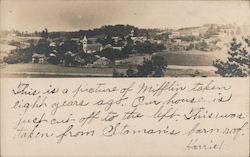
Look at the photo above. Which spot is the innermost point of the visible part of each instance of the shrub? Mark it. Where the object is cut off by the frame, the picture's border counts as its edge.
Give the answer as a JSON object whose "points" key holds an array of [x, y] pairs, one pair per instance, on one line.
{"points": [[237, 64], [19, 56]]}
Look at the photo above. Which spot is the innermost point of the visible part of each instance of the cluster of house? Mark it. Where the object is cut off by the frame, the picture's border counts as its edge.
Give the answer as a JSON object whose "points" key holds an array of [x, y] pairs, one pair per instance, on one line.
{"points": [[209, 44], [91, 45], [87, 48], [197, 41], [200, 41], [234, 30], [190, 31]]}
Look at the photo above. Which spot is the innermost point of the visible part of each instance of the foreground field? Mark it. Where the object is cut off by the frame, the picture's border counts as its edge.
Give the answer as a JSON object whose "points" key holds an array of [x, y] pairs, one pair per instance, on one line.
{"points": [[46, 70]]}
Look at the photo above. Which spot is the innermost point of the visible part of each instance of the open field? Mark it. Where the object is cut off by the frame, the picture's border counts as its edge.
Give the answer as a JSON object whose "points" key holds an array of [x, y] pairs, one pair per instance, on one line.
{"points": [[190, 71], [47, 70], [191, 58], [5, 49], [20, 39]]}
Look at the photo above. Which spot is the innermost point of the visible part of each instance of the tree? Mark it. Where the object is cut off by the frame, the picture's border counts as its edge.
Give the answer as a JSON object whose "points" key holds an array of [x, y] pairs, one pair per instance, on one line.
{"points": [[127, 49], [19, 56], [145, 69], [149, 68], [160, 65], [129, 41], [42, 47], [237, 64], [89, 58], [53, 60], [130, 72], [45, 33], [112, 54], [69, 45]]}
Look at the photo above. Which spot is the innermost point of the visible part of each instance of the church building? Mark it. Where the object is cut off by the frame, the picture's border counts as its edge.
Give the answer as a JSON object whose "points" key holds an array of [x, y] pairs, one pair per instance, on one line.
{"points": [[90, 47]]}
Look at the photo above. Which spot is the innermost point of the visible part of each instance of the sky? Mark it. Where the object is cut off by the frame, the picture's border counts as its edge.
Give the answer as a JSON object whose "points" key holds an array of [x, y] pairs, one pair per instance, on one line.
{"points": [[71, 15]]}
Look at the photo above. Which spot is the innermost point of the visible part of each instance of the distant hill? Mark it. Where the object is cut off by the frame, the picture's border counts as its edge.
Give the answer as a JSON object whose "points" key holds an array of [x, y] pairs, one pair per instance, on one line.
{"points": [[188, 28], [112, 30], [108, 30]]}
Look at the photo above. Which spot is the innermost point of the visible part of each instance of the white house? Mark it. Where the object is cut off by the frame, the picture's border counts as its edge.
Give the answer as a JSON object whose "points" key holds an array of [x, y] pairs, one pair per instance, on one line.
{"points": [[101, 61], [38, 58]]}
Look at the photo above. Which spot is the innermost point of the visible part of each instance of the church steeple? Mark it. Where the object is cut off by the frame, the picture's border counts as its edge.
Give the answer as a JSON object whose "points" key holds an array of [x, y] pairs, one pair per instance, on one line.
{"points": [[84, 44], [132, 32]]}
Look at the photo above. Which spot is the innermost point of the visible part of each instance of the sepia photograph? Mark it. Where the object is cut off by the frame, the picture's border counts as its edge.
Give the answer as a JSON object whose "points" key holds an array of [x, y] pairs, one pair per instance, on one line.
{"points": [[63, 38], [124, 78]]}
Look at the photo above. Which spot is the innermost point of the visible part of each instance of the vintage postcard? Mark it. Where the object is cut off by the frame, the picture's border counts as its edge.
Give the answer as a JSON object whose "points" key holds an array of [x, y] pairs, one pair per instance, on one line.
{"points": [[124, 78]]}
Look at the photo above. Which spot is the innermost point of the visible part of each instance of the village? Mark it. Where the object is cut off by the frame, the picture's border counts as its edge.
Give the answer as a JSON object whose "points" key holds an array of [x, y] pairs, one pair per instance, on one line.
{"points": [[122, 47]]}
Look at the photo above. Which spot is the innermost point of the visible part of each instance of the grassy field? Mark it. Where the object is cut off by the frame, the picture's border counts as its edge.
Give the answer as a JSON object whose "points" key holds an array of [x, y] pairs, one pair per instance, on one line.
{"points": [[47, 70], [191, 58], [207, 71], [5, 49]]}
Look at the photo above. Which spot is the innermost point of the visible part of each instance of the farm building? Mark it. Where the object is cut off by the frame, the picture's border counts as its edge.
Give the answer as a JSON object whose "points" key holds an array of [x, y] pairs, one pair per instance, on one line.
{"points": [[102, 61], [38, 58]]}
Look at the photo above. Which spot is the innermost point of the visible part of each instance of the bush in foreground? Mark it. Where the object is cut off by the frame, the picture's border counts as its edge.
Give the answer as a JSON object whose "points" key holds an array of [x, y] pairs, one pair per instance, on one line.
{"points": [[237, 64]]}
